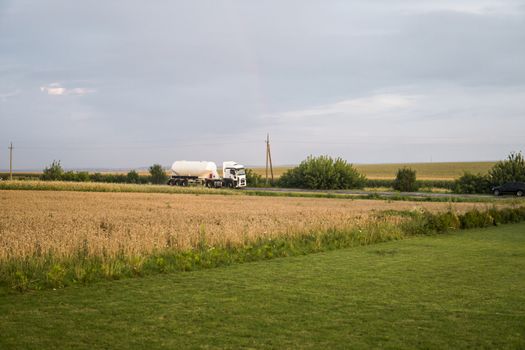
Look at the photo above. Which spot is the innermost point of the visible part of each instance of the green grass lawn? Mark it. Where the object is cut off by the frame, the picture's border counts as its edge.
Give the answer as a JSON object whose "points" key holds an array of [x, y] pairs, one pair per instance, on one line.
{"points": [[461, 290]]}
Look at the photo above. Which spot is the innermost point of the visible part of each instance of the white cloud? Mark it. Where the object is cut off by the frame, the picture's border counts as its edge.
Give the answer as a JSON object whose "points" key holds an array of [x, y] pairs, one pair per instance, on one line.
{"points": [[446, 116], [5, 96], [472, 7], [56, 89], [368, 106]]}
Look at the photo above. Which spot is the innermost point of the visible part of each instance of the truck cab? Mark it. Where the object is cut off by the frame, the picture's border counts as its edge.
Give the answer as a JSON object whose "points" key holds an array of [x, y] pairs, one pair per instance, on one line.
{"points": [[233, 174]]}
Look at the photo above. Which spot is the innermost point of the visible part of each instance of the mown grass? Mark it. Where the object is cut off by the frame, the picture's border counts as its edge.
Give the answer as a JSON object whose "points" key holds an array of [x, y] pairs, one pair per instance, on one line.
{"points": [[46, 270], [453, 291]]}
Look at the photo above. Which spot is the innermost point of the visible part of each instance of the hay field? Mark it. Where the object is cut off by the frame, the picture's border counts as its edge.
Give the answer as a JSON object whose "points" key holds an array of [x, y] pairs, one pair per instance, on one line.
{"points": [[107, 224], [425, 171]]}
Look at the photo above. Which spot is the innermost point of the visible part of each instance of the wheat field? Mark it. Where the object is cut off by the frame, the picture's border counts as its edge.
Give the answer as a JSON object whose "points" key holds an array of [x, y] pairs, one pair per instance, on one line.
{"points": [[425, 171], [108, 224]]}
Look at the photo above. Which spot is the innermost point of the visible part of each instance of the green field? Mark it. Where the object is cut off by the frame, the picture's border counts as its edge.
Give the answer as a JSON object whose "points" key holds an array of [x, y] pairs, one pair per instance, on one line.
{"points": [[461, 290], [425, 171]]}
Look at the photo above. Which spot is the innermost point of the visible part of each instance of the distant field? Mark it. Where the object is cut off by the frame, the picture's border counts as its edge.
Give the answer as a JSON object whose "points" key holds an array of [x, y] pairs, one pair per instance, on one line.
{"points": [[425, 171]]}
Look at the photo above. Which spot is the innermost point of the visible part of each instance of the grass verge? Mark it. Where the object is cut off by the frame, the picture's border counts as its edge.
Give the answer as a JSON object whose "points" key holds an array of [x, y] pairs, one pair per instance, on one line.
{"points": [[110, 187]]}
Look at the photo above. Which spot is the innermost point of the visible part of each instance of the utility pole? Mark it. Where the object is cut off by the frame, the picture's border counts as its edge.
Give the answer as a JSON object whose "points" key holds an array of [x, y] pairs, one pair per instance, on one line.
{"points": [[266, 141], [268, 158], [11, 161]]}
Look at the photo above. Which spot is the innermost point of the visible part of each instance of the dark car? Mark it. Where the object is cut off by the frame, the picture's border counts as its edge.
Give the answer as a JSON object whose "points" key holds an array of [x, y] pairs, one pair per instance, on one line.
{"points": [[517, 188]]}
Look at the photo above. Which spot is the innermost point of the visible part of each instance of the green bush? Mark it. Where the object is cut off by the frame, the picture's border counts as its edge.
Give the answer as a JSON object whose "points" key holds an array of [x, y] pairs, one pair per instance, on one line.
{"points": [[507, 215], [446, 184], [323, 173], [68, 176], [253, 179], [157, 174], [442, 222], [476, 219], [511, 169], [405, 180], [81, 176], [20, 282], [379, 183], [56, 276], [120, 178], [97, 177], [53, 172], [133, 177], [472, 183]]}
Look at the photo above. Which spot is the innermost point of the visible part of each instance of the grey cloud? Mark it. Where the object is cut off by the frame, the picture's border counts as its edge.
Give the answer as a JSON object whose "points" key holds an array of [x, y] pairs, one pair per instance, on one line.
{"points": [[167, 75]]}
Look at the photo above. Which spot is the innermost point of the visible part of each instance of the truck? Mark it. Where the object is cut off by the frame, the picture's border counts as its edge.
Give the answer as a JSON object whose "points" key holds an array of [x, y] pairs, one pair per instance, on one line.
{"points": [[204, 173]]}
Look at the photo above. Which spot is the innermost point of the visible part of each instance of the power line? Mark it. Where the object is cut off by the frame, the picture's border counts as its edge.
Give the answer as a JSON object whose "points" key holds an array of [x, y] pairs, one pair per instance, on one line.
{"points": [[366, 141], [96, 147]]}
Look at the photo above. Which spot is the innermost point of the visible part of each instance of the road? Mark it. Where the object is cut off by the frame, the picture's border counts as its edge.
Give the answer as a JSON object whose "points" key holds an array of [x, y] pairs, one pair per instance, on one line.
{"points": [[379, 193]]}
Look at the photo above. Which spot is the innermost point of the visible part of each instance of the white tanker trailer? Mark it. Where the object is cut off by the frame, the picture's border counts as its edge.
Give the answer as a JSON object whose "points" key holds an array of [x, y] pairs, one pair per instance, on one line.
{"points": [[205, 174]]}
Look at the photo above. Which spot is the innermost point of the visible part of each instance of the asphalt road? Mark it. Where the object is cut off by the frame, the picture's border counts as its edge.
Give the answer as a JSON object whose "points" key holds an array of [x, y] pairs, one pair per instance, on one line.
{"points": [[383, 194]]}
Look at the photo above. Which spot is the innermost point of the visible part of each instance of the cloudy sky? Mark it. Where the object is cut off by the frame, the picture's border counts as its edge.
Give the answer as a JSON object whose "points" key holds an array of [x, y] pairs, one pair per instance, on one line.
{"points": [[125, 84]]}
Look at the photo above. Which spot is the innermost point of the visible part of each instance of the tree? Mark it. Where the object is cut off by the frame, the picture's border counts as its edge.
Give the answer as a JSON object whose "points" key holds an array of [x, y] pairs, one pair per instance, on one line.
{"points": [[323, 172], [133, 177], [158, 175], [406, 180], [253, 179], [511, 169], [97, 177], [53, 172], [472, 183]]}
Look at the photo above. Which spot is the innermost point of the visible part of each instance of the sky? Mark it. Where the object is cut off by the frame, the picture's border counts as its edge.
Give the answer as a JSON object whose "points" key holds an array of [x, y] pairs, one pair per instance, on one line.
{"points": [[126, 84]]}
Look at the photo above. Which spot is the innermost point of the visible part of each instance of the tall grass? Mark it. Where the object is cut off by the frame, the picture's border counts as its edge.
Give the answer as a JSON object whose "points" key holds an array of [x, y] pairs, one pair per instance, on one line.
{"points": [[140, 223], [47, 270], [106, 187]]}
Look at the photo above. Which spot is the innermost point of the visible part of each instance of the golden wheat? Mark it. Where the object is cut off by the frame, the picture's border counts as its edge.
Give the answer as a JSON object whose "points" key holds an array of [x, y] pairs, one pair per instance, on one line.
{"points": [[61, 223], [425, 171]]}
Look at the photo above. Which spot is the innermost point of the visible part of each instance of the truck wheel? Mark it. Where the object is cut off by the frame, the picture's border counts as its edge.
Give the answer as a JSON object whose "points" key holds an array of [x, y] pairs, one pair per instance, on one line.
{"points": [[519, 193], [184, 183], [230, 184], [496, 192]]}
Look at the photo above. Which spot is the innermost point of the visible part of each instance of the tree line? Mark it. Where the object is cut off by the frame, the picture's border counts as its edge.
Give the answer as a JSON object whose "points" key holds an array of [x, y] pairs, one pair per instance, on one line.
{"points": [[55, 172], [324, 173]]}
